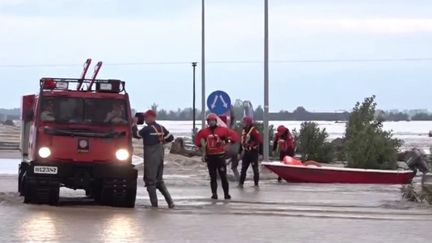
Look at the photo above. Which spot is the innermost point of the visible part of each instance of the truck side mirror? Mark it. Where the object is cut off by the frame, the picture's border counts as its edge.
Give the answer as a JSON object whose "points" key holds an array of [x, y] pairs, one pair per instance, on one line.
{"points": [[140, 118]]}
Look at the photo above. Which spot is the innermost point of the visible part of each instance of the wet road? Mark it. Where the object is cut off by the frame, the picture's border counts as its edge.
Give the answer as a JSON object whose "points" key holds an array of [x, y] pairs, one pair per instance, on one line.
{"points": [[274, 213]]}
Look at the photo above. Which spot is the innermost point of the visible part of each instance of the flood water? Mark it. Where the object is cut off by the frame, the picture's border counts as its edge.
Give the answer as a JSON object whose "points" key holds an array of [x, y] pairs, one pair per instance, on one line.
{"points": [[285, 212], [276, 212]]}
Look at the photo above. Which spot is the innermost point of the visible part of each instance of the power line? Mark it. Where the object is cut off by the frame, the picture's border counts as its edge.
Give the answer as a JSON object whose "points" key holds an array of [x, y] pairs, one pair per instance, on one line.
{"points": [[329, 60], [354, 60]]}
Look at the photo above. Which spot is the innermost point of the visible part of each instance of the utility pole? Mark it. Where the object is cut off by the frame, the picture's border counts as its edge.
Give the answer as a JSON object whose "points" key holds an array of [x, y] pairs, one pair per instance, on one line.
{"points": [[266, 84], [194, 64], [203, 98]]}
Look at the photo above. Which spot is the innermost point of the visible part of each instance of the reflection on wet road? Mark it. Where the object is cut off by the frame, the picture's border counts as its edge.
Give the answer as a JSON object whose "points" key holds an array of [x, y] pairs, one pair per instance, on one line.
{"points": [[274, 213]]}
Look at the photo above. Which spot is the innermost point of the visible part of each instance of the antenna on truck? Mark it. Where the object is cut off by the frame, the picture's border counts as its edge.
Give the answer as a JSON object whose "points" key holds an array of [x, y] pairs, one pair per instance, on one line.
{"points": [[96, 71], [86, 67]]}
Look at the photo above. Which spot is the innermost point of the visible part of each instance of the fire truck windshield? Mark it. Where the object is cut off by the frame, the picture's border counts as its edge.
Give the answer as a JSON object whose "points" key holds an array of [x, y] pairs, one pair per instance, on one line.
{"points": [[83, 111]]}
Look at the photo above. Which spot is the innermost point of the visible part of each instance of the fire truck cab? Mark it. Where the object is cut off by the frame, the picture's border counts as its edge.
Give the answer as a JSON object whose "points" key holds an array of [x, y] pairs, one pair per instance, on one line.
{"points": [[79, 137]]}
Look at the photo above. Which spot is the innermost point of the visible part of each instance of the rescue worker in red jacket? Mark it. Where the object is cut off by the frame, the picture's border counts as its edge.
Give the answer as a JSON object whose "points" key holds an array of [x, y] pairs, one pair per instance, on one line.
{"points": [[213, 140], [251, 146], [284, 143]]}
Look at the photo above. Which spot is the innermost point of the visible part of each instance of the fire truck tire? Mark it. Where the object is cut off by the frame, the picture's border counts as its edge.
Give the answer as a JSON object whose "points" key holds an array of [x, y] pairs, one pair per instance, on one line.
{"points": [[94, 191], [118, 192], [21, 170], [37, 192]]}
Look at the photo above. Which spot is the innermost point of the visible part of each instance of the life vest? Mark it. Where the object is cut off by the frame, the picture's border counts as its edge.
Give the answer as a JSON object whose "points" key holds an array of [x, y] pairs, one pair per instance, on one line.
{"points": [[288, 160], [159, 134], [285, 144], [215, 139], [247, 140], [215, 145]]}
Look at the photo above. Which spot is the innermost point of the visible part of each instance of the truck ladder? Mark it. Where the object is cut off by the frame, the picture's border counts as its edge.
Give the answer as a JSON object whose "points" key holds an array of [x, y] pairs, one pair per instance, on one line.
{"points": [[96, 71], [86, 67]]}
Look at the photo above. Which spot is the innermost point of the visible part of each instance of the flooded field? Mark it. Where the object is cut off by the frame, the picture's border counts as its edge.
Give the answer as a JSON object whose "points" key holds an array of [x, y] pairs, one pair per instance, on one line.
{"points": [[275, 212]]}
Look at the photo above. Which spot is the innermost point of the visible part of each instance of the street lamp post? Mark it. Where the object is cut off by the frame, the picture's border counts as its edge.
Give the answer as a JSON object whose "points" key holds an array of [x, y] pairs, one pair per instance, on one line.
{"points": [[203, 64], [194, 64], [266, 84]]}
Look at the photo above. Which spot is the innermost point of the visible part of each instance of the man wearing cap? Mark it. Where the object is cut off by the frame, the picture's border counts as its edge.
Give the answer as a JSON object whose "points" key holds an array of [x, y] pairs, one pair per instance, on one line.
{"points": [[251, 148], [154, 137]]}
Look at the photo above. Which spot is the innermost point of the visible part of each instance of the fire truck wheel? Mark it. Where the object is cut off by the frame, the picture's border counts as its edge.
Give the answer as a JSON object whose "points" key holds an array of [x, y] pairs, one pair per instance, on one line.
{"points": [[26, 190], [118, 192], [94, 191], [21, 170], [38, 193]]}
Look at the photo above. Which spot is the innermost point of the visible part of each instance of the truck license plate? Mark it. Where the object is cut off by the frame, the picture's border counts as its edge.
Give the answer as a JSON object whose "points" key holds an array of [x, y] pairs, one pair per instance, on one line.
{"points": [[51, 170]]}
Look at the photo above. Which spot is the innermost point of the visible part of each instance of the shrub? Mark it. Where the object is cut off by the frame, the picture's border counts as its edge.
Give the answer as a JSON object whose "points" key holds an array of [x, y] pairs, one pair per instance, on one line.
{"points": [[312, 143], [339, 149], [367, 145]]}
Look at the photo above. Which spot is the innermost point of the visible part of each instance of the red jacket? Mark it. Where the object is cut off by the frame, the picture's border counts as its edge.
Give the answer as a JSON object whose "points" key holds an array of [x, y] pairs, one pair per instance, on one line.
{"points": [[251, 138], [215, 139], [284, 142]]}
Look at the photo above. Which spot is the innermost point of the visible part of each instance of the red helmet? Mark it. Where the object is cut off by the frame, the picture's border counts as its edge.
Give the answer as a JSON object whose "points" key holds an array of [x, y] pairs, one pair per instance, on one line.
{"points": [[150, 113], [247, 120], [281, 129], [212, 116]]}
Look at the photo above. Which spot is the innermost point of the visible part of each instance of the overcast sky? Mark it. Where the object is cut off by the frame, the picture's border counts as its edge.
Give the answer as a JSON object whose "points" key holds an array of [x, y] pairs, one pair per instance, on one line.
{"points": [[45, 32]]}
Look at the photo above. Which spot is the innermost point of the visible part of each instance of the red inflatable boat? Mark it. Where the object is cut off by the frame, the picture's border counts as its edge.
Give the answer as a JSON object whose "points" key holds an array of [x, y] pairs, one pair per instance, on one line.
{"points": [[313, 173]]}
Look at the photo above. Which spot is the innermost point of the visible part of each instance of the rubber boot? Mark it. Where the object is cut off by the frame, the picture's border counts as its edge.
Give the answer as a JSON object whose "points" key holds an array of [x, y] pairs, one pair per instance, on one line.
{"points": [[153, 196], [162, 188]]}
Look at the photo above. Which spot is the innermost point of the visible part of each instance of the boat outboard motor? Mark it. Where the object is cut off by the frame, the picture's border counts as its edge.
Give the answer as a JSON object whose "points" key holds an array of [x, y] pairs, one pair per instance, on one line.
{"points": [[417, 161]]}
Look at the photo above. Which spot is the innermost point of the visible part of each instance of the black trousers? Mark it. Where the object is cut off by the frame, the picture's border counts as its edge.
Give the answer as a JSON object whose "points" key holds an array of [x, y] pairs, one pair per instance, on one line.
{"points": [[250, 158], [216, 164]]}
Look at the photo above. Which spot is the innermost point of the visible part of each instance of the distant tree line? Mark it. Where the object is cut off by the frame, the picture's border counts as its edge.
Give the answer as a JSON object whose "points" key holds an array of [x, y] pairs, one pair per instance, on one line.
{"points": [[299, 114]]}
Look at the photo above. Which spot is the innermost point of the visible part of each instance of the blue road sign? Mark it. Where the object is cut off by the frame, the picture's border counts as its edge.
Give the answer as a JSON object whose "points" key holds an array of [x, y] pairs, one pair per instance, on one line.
{"points": [[219, 102]]}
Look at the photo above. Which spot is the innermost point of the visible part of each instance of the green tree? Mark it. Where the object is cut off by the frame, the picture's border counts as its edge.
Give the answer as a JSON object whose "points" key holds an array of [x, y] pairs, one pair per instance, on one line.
{"points": [[422, 117], [154, 107], [162, 114], [367, 145], [312, 143]]}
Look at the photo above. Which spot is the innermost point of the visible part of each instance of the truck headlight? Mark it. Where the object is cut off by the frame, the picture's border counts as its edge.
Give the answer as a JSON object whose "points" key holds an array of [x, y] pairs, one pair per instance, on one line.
{"points": [[44, 152], [122, 154]]}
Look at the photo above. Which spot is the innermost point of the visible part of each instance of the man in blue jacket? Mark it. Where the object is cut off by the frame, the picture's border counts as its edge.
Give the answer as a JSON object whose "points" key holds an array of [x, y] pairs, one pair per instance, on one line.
{"points": [[154, 137]]}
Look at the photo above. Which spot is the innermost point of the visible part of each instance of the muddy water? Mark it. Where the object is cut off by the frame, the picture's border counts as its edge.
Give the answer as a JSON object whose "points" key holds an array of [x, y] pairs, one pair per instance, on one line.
{"points": [[273, 213]]}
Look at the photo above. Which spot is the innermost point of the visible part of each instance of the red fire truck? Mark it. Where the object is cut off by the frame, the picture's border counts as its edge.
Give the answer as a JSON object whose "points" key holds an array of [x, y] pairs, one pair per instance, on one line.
{"points": [[76, 133]]}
